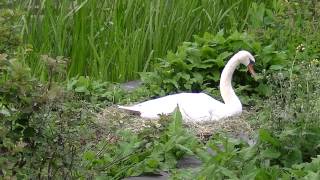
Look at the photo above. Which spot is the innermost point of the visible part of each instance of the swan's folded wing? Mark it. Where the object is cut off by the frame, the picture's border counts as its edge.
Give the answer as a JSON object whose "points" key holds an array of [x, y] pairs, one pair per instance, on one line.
{"points": [[152, 108], [200, 107]]}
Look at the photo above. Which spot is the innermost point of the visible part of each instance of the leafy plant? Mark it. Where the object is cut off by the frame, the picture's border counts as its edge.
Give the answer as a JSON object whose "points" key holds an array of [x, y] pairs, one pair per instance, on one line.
{"points": [[41, 130], [197, 65], [293, 24], [272, 157], [295, 101], [10, 37], [96, 91], [147, 152], [105, 93]]}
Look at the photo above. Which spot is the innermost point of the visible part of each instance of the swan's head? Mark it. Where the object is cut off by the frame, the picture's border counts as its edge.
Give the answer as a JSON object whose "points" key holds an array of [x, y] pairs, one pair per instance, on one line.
{"points": [[247, 59]]}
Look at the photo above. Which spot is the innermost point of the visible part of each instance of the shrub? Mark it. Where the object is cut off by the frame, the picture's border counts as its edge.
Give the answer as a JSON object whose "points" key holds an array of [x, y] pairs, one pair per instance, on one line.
{"points": [[42, 130], [197, 65], [9, 29]]}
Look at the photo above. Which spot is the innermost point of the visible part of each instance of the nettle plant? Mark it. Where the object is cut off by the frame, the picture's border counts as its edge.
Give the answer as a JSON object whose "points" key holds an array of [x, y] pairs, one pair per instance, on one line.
{"points": [[9, 36], [196, 66]]}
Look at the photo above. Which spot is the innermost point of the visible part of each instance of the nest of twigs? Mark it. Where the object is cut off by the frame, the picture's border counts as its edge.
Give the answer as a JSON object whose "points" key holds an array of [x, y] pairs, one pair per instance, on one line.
{"points": [[116, 119]]}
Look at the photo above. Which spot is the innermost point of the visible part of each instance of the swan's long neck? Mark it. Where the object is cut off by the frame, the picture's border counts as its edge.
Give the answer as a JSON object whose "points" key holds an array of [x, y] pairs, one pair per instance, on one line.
{"points": [[226, 90]]}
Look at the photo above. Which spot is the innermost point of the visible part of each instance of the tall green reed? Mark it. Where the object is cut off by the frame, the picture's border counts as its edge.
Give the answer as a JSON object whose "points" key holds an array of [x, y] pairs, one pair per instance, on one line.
{"points": [[115, 39]]}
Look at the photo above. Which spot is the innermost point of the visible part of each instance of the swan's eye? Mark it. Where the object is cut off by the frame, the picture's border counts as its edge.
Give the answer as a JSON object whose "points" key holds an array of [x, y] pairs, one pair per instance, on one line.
{"points": [[251, 61]]}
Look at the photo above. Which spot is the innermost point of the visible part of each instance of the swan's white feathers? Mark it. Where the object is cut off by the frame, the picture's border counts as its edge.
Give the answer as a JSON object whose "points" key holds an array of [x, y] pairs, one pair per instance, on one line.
{"points": [[202, 106]]}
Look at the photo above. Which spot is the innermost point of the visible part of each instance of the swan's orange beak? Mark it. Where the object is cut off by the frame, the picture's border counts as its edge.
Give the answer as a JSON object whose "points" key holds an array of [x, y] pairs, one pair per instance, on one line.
{"points": [[251, 69]]}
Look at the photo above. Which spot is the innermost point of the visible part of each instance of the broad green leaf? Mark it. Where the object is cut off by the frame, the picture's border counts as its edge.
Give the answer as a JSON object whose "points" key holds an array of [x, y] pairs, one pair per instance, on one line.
{"points": [[276, 67], [203, 66], [262, 175], [219, 62], [264, 89], [184, 149], [71, 84], [176, 126], [198, 77], [196, 53], [312, 176], [268, 49], [270, 153], [81, 89], [188, 86], [207, 51], [249, 152], [89, 155], [292, 157], [228, 173], [215, 76], [184, 76], [153, 163], [218, 38], [172, 82], [224, 55], [83, 81], [235, 36], [265, 136]]}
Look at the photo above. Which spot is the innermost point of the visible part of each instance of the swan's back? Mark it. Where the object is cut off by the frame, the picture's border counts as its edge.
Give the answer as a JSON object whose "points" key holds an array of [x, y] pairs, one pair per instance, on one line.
{"points": [[152, 108], [193, 107]]}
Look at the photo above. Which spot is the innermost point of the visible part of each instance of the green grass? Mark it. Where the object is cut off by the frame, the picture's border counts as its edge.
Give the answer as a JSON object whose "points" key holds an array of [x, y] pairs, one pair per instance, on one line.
{"points": [[113, 40]]}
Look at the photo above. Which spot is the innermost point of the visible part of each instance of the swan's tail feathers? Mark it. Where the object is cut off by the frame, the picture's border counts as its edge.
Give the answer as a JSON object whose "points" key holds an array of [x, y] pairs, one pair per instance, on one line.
{"points": [[132, 110]]}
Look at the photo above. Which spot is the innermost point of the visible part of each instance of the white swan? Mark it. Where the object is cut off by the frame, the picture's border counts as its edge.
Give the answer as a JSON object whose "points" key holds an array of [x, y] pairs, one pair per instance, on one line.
{"points": [[196, 107]]}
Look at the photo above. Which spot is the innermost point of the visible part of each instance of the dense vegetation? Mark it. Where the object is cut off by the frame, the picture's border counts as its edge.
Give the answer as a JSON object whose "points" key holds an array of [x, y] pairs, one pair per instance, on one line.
{"points": [[99, 36], [57, 59]]}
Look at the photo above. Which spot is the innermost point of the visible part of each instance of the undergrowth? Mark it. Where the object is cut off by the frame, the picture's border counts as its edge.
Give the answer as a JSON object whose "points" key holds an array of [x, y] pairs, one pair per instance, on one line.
{"points": [[39, 125], [51, 132]]}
